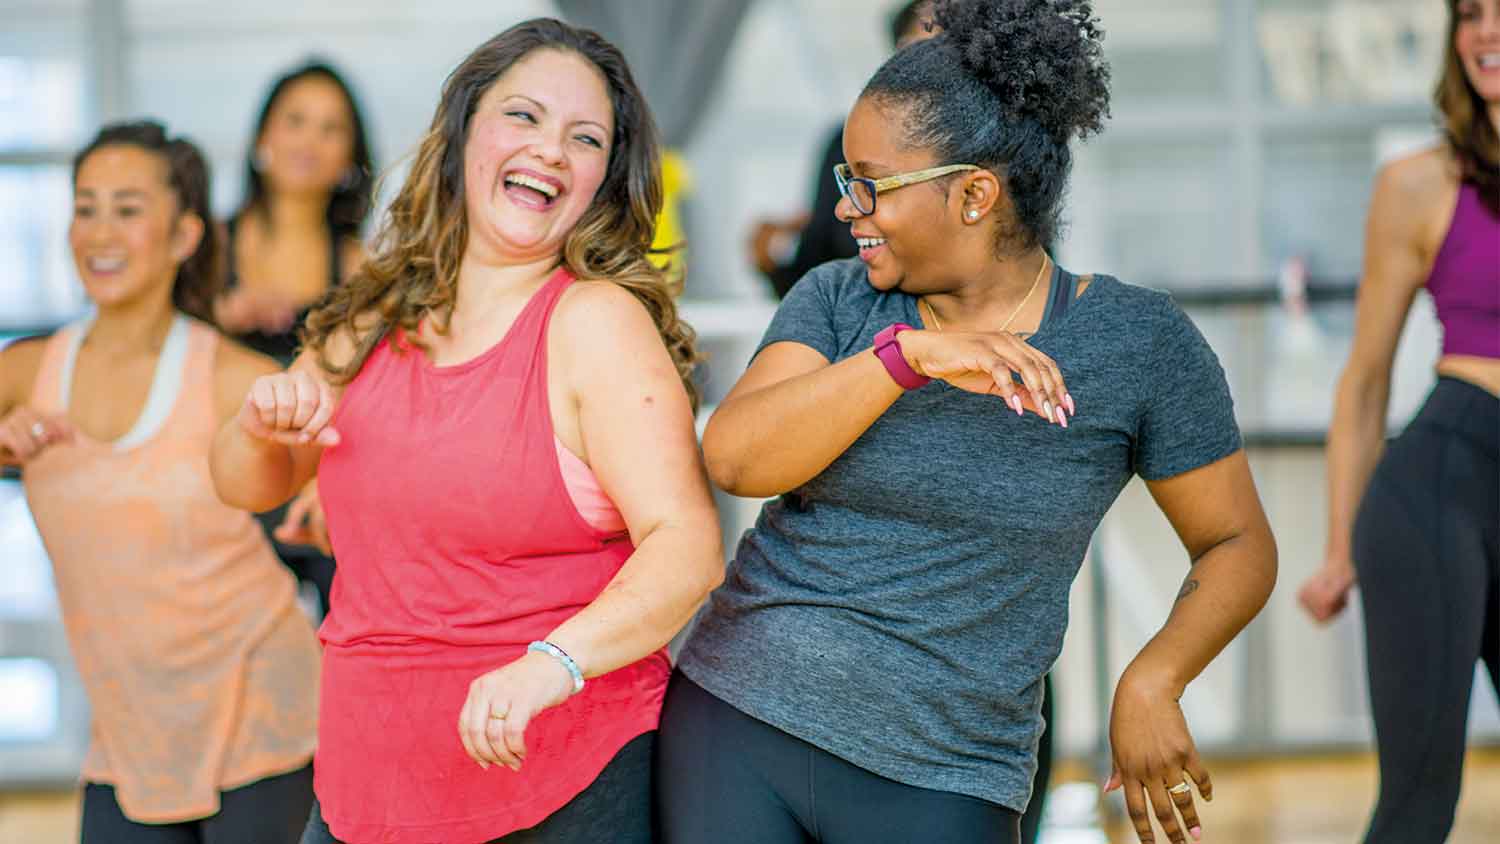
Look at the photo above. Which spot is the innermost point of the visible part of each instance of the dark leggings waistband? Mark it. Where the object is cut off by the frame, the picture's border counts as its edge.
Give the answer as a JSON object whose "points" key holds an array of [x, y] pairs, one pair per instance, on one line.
{"points": [[1458, 407]]}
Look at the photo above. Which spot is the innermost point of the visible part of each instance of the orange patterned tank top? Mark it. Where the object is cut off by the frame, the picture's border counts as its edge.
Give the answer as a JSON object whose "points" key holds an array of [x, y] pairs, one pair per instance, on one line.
{"points": [[201, 670]]}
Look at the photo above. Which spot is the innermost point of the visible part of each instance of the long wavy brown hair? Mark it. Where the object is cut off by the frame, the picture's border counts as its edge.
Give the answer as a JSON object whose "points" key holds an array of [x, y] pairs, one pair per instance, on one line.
{"points": [[413, 272], [1466, 121]]}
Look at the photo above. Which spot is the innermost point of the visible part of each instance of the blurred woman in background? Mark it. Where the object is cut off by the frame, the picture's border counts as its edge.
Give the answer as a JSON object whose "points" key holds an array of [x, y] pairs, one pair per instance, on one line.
{"points": [[296, 235], [1417, 524], [199, 667], [498, 408]]}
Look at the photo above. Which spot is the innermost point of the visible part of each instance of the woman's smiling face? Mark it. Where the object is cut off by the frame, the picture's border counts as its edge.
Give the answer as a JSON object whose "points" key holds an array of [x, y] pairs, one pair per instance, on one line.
{"points": [[910, 234], [538, 149]]}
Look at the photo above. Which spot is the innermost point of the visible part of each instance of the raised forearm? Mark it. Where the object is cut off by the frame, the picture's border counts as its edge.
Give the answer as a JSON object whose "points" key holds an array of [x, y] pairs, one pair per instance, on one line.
{"points": [[654, 595], [251, 473], [775, 439], [1226, 587]]}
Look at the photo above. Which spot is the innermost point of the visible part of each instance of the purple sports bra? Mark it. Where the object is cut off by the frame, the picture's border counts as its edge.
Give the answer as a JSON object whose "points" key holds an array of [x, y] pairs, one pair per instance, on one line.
{"points": [[1465, 279]]}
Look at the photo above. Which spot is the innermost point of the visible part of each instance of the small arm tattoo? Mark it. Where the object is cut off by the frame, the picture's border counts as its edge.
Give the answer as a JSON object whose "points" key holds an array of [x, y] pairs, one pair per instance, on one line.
{"points": [[1188, 588]]}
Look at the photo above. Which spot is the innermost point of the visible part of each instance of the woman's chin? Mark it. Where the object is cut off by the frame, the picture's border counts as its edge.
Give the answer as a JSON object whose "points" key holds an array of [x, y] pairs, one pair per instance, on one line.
{"points": [[883, 278]]}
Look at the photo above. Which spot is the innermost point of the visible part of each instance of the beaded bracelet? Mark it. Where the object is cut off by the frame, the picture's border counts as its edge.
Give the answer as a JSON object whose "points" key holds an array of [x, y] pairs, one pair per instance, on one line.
{"points": [[561, 656]]}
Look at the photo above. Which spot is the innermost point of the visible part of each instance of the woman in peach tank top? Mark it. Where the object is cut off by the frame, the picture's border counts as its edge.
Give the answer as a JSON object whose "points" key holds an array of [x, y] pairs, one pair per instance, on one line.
{"points": [[498, 410], [200, 667]]}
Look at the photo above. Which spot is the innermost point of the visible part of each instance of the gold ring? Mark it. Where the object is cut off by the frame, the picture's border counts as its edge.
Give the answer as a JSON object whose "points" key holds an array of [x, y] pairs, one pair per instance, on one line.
{"points": [[1181, 788], [498, 716]]}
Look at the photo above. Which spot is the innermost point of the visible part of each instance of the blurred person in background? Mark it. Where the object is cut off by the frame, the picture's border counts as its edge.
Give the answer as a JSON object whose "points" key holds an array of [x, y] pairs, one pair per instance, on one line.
{"points": [[872, 668], [295, 236], [1417, 524], [200, 670], [819, 236], [499, 410]]}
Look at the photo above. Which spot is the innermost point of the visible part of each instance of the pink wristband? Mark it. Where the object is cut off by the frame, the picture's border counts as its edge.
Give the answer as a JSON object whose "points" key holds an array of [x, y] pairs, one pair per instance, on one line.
{"points": [[888, 349]]}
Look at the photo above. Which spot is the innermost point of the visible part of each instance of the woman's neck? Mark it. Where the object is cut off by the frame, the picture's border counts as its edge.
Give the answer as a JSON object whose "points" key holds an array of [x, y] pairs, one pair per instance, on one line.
{"points": [[486, 284], [132, 328], [292, 212], [992, 291]]}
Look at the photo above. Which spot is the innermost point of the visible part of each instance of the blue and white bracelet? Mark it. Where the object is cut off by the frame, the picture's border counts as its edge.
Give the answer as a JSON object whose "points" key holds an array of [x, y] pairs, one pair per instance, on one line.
{"points": [[561, 656]]}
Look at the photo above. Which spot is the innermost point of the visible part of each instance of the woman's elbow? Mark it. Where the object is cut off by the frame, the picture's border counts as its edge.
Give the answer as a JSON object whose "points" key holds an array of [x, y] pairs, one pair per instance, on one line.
{"points": [[1268, 562], [719, 459], [709, 569]]}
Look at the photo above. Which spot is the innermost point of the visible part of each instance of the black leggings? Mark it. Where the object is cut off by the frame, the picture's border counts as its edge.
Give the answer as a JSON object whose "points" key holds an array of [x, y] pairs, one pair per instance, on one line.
{"points": [[1031, 821], [727, 778], [268, 811], [616, 807], [1426, 550]]}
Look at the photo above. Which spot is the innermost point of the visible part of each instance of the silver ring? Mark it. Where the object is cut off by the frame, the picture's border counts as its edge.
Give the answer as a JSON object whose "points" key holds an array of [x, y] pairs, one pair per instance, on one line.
{"points": [[1181, 788], [38, 430]]}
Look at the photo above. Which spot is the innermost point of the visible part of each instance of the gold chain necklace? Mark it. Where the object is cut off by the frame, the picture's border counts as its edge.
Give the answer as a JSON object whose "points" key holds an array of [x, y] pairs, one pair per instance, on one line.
{"points": [[1046, 259]]}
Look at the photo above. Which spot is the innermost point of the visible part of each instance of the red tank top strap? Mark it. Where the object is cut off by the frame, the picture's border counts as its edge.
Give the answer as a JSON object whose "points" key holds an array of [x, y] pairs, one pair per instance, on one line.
{"points": [[530, 332]]}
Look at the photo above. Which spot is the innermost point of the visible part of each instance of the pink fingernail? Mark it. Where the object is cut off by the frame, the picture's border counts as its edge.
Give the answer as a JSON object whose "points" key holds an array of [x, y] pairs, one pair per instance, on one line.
{"points": [[1047, 408], [1068, 399], [1062, 418], [1196, 833], [1015, 403]]}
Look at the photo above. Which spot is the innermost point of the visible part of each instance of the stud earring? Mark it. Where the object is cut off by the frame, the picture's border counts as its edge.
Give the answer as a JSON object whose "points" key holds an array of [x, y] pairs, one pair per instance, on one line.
{"points": [[973, 215]]}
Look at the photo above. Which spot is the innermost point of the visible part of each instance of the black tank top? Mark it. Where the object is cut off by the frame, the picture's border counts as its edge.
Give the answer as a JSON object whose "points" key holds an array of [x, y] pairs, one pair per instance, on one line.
{"points": [[281, 345]]}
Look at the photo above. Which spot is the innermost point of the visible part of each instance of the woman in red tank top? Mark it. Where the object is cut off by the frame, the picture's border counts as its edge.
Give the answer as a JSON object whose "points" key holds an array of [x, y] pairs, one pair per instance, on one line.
{"points": [[495, 658]]}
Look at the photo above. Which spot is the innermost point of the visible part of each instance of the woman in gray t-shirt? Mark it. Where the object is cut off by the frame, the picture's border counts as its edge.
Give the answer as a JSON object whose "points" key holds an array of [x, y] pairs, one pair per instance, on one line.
{"points": [[871, 668]]}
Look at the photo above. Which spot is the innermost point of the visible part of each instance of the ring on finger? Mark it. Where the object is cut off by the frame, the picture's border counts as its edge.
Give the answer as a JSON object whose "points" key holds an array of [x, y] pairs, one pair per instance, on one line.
{"points": [[38, 430], [1181, 788], [498, 716]]}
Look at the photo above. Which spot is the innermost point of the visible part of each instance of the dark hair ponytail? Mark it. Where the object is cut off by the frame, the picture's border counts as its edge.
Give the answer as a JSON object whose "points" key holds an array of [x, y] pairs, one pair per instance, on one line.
{"points": [[199, 277], [1006, 85]]}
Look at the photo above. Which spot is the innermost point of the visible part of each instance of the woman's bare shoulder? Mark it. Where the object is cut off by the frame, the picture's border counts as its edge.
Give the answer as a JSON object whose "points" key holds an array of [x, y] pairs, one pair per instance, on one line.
{"points": [[1425, 176], [20, 361]]}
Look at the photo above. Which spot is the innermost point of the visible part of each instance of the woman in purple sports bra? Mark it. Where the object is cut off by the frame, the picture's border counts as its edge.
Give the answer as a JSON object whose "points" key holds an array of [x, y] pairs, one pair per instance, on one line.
{"points": [[1417, 526]]}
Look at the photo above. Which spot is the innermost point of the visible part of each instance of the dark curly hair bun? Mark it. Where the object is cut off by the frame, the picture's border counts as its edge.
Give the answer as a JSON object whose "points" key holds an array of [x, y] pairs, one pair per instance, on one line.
{"points": [[1042, 58], [1007, 85]]}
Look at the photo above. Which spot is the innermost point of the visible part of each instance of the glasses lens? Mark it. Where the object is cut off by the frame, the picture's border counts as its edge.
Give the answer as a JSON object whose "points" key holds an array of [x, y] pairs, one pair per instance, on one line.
{"points": [[862, 194]]}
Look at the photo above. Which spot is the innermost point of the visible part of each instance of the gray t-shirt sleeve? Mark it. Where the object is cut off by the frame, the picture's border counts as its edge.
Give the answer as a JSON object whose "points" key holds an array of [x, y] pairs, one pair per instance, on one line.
{"points": [[1188, 417], [806, 315]]}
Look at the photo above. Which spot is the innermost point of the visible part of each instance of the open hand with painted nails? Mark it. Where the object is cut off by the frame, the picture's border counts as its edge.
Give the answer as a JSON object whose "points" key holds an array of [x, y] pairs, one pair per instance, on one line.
{"points": [[492, 724], [984, 363], [1155, 760], [26, 433], [291, 408]]}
